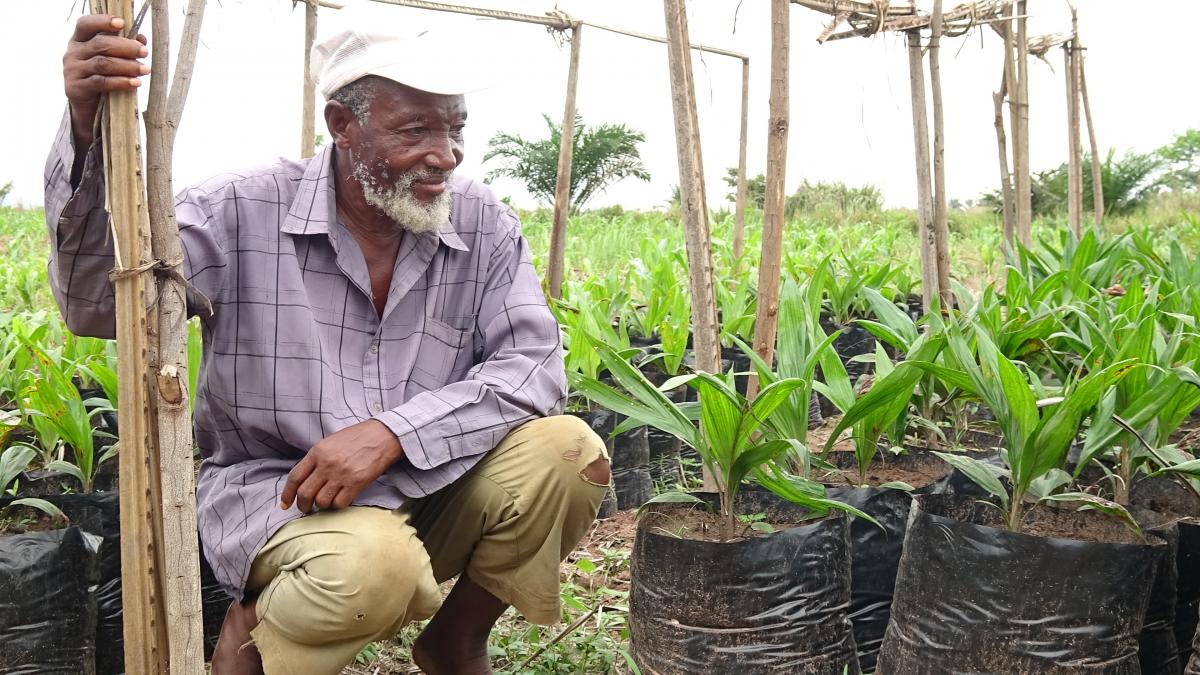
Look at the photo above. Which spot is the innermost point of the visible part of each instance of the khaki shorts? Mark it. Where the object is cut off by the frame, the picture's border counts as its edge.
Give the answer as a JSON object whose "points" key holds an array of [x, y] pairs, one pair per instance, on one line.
{"points": [[334, 581]]}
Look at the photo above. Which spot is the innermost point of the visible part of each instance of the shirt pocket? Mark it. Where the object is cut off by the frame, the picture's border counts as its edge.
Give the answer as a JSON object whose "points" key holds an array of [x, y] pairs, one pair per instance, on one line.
{"points": [[440, 350]]}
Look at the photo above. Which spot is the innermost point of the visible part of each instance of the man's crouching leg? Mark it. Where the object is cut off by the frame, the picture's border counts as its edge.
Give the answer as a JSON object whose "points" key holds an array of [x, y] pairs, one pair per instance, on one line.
{"points": [[328, 584], [505, 527]]}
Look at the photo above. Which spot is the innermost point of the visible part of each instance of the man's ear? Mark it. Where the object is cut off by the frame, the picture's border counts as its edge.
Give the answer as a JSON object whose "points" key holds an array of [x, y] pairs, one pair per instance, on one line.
{"points": [[340, 121]]}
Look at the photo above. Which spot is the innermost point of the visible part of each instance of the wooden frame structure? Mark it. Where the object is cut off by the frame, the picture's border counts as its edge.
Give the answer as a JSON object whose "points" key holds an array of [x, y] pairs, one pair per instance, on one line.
{"points": [[560, 22], [857, 18], [1078, 106]]}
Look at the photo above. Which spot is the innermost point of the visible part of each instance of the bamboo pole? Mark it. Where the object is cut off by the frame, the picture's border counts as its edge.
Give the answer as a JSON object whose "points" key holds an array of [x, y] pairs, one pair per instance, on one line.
{"points": [[1006, 188], [138, 485], [1021, 132], [739, 209], [308, 102], [928, 248], [1074, 152], [168, 354], [767, 309], [941, 227], [562, 188], [1097, 175]]}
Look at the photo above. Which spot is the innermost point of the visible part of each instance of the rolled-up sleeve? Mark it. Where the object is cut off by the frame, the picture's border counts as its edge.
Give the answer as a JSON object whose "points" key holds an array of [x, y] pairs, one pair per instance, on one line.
{"points": [[81, 249], [520, 377], [81, 243]]}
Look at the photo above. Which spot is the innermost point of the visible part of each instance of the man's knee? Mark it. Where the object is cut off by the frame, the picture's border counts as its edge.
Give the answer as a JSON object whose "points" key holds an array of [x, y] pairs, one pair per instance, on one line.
{"points": [[350, 584], [599, 472], [570, 442]]}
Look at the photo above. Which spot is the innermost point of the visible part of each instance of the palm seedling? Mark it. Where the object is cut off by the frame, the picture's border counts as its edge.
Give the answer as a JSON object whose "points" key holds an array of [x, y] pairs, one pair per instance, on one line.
{"points": [[61, 418], [727, 439], [883, 408], [14, 461], [1138, 415], [800, 347], [1037, 434]]}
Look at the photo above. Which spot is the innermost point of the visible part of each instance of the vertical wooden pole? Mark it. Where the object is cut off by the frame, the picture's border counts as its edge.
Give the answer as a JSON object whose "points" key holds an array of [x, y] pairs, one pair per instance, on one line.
{"points": [[143, 615], [691, 189], [916, 72], [739, 212], [767, 312], [168, 353], [694, 208], [1074, 153], [308, 103], [1010, 87], [1006, 188], [562, 188], [1021, 131], [1097, 167], [941, 228]]}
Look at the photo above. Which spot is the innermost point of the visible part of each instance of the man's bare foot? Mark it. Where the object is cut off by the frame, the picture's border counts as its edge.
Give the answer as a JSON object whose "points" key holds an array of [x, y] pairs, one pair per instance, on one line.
{"points": [[235, 654], [437, 654]]}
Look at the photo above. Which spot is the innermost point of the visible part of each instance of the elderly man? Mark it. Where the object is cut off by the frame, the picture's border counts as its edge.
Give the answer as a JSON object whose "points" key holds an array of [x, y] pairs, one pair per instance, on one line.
{"points": [[381, 377]]}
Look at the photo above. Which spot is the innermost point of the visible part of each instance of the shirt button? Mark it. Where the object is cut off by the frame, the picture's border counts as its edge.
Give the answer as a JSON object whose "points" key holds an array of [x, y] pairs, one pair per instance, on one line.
{"points": [[374, 348], [377, 407]]}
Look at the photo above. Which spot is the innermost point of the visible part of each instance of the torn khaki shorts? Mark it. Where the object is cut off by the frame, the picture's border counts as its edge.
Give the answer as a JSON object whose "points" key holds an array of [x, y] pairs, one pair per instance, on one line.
{"points": [[334, 581]]}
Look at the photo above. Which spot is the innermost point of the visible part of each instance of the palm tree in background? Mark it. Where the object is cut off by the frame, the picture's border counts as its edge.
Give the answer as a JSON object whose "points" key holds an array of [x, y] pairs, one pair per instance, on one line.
{"points": [[602, 155]]}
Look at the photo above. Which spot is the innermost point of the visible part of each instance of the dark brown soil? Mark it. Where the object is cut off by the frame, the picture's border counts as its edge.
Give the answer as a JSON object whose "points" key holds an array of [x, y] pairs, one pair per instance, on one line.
{"points": [[24, 519], [48, 484], [1066, 523], [698, 524], [917, 469]]}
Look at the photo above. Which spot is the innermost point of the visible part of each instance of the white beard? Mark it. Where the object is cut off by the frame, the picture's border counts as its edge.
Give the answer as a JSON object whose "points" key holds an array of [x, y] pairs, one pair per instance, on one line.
{"points": [[397, 201]]}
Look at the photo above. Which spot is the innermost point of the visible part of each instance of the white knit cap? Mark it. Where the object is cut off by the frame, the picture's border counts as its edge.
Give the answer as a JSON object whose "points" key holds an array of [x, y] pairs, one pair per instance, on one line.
{"points": [[425, 60]]}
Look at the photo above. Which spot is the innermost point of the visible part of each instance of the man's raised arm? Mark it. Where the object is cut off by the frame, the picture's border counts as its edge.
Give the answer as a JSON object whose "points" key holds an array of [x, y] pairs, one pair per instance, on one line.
{"points": [[97, 61]]}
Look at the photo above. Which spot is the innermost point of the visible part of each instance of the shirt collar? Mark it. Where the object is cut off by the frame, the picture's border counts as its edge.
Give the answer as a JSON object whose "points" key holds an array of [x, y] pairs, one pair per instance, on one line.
{"points": [[314, 207]]}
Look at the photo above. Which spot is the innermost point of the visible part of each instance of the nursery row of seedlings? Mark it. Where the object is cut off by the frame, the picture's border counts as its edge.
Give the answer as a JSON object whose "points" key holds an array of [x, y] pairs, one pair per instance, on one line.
{"points": [[1017, 494], [60, 563]]}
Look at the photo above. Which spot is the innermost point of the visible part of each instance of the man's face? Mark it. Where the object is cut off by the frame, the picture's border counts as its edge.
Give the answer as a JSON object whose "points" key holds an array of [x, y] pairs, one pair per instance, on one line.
{"points": [[407, 149]]}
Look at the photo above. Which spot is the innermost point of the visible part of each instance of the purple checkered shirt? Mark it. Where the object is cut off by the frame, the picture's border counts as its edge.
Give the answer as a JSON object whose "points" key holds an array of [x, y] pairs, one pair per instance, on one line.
{"points": [[465, 351]]}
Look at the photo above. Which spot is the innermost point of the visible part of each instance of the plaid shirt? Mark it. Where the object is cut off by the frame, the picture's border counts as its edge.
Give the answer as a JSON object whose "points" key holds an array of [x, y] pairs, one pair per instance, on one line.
{"points": [[465, 351]]}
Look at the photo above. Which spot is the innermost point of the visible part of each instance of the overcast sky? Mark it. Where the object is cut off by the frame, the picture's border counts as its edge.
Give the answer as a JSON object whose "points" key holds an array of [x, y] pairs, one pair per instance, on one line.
{"points": [[850, 115]]}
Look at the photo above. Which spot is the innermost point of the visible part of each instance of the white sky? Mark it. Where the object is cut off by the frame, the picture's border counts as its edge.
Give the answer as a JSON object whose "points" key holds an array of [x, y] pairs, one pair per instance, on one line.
{"points": [[849, 100]]}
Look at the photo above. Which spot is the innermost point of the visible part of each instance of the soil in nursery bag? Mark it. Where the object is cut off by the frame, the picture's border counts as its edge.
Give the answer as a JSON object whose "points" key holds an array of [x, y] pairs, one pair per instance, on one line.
{"points": [[761, 603], [631, 469], [1158, 501], [875, 548], [1065, 596], [47, 601]]}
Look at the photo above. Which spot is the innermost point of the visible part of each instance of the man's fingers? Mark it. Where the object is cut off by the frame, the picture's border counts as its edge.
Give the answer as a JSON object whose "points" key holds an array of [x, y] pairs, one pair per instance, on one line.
{"points": [[296, 477], [107, 65], [116, 47], [307, 493], [89, 25], [326, 497], [345, 498], [104, 84]]}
